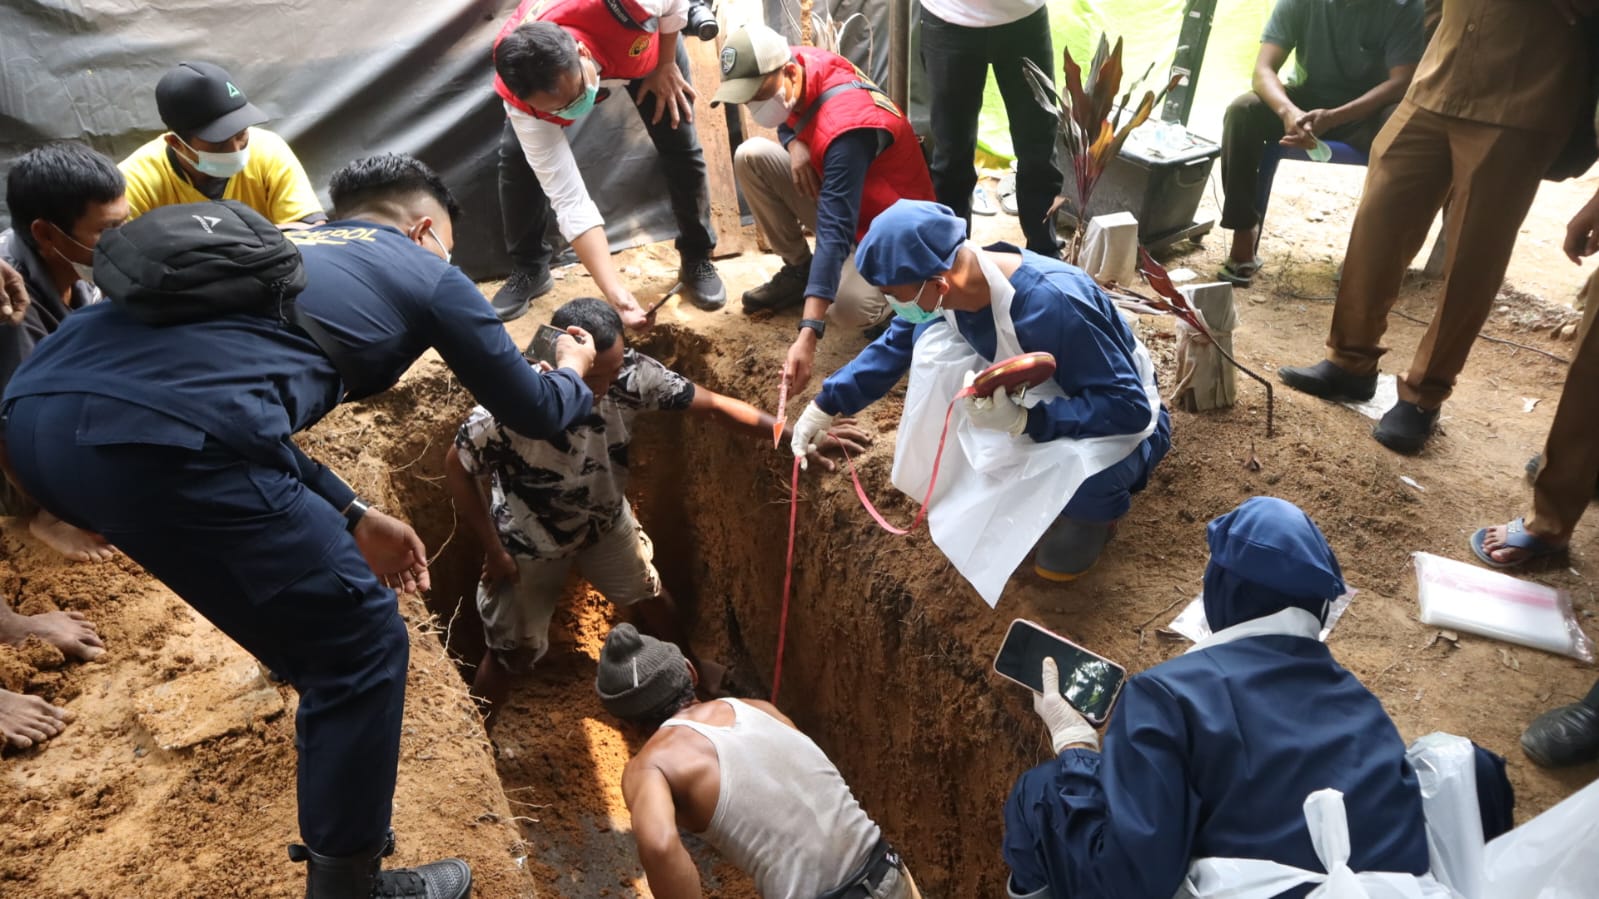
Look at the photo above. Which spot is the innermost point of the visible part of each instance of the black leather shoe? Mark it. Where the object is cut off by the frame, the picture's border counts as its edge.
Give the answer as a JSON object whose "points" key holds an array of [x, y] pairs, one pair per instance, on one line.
{"points": [[1328, 381], [510, 301], [1406, 427], [361, 876], [1565, 736]]}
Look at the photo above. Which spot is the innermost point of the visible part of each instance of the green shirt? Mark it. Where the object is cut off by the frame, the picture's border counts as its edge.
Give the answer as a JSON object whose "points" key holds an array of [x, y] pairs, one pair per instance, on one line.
{"points": [[1344, 48]]}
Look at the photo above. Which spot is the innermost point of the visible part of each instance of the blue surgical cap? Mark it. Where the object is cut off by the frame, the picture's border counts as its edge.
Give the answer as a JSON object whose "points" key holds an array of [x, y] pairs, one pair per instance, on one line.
{"points": [[909, 242], [1266, 556]]}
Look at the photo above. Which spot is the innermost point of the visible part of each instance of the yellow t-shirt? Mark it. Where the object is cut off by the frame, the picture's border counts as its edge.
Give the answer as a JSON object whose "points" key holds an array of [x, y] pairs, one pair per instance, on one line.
{"points": [[273, 182]]}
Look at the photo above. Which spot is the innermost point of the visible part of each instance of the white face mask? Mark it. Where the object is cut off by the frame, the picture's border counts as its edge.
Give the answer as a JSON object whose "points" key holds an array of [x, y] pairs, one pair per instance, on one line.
{"points": [[772, 111], [84, 272], [219, 165]]}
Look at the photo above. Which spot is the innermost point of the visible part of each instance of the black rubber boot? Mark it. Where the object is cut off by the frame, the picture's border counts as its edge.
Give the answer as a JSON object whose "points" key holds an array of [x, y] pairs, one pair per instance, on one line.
{"points": [[787, 288], [360, 876], [1328, 381], [1406, 428], [1568, 735]]}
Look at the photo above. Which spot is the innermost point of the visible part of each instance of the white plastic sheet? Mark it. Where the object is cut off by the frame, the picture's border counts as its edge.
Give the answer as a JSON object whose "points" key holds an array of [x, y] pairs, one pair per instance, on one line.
{"points": [[1473, 599], [1553, 856], [1253, 878], [996, 493], [1110, 248], [1446, 767]]}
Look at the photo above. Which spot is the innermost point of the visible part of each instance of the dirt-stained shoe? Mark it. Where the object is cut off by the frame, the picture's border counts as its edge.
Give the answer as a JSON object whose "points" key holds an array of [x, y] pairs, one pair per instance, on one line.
{"points": [[701, 285], [787, 288], [1328, 381], [360, 876], [510, 301]]}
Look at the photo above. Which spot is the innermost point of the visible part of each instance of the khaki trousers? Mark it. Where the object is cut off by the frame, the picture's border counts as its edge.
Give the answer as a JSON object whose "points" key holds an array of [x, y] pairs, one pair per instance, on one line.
{"points": [[1417, 160], [761, 167], [1565, 484]]}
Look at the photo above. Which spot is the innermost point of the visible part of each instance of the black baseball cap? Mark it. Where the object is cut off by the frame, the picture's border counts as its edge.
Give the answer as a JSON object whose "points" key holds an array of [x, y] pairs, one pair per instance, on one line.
{"points": [[200, 99]]}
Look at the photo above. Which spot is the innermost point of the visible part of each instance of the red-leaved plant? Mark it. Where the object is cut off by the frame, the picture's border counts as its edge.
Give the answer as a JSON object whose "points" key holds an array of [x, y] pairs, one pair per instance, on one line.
{"points": [[1170, 300], [1093, 126]]}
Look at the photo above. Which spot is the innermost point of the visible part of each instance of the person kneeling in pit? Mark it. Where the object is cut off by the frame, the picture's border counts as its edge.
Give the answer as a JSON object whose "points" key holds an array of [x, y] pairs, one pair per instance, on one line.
{"points": [[958, 309], [1212, 754], [741, 776], [560, 500]]}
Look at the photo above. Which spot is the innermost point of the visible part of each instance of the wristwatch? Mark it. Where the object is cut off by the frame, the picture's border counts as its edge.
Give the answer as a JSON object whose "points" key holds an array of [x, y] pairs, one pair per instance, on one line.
{"points": [[815, 324], [353, 513]]}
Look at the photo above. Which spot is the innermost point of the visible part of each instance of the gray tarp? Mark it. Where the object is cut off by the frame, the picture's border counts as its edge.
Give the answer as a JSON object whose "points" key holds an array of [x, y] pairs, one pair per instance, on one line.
{"points": [[340, 80]]}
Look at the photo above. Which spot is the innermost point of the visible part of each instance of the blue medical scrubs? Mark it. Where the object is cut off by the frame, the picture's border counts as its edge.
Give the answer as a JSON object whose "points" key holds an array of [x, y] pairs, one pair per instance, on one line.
{"points": [[1057, 309], [1212, 754], [175, 444]]}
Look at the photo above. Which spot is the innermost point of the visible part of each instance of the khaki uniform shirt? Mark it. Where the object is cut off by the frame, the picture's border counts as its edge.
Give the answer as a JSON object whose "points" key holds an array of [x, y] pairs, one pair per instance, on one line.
{"points": [[1513, 63]]}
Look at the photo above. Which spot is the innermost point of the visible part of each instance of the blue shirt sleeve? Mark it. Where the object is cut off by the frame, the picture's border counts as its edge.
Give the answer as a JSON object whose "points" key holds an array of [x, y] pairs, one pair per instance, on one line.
{"points": [[323, 481], [872, 373], [475, 346], [1065, 315], [838, 206], [785, 135], [1121, 823]]}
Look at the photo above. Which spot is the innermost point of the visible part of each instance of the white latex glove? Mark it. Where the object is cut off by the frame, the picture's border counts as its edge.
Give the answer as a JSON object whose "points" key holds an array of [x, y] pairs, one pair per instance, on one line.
{"points": [[997, 412], [813, 424], [1067, 726]]}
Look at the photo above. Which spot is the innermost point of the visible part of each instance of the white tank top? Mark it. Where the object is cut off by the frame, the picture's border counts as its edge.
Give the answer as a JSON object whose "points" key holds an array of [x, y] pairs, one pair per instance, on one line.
{"points": [[783, 814]]}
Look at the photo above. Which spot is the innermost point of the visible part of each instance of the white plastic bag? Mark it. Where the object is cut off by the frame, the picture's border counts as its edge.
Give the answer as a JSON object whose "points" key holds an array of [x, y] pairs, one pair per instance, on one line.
{"points": [[1446, 766], [1465, 597], [1252, 878], [997, 494], [1553, 856]]}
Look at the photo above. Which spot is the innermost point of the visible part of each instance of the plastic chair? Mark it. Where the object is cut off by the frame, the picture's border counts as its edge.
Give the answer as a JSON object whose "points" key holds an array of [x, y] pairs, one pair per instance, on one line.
{"points": [[1342, 154]]}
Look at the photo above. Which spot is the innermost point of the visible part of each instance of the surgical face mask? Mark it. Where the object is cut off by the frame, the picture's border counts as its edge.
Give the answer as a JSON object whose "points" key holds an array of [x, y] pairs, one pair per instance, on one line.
{"points": [[219, 165], [447, 253], [583, 105], [772, 111], [914, 313], [85, 272]]}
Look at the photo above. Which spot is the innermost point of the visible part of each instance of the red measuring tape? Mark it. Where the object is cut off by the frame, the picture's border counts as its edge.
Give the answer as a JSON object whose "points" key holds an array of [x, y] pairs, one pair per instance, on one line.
{"points": [[1026, 370]]}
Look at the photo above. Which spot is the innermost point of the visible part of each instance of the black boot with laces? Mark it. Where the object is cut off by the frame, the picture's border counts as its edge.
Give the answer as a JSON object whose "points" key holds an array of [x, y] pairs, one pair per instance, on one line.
{"points": [[360, 876]]}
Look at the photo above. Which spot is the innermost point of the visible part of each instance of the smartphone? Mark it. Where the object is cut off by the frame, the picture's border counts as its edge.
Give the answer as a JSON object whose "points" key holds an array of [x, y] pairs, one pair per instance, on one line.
{"points": [[542, 349], [1089, 682]]}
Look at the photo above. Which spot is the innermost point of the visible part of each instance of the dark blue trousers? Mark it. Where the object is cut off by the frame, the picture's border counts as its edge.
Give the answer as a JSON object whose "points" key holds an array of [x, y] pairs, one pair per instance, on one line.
{"points": [[1109, 494], [265, 560]]}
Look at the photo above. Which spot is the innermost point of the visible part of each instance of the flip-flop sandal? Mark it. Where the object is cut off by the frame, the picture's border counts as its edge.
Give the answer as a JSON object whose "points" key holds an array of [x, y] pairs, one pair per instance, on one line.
{"points": [[1516, 537], [1006, 192], [981, 205], [1239, 274]]}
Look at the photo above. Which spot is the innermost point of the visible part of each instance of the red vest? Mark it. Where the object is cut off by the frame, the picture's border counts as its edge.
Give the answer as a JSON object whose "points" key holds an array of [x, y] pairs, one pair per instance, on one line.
{"points": [[899, 172], [620, 49]]}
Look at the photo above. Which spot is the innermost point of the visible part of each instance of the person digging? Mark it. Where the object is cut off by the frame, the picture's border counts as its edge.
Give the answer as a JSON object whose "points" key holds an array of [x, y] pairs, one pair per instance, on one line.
{"points": [[561, 500], [740, 775]]}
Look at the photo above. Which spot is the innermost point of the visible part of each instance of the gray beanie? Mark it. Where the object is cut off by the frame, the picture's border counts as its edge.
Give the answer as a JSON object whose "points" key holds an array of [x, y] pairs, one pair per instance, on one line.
{"points": [[638, 674]]}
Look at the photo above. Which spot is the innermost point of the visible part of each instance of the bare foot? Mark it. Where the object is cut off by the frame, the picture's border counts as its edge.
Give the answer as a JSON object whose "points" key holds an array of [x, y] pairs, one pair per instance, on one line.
{"points": [[74, 543], [69, 632], [27, 720], [1493, 543]]}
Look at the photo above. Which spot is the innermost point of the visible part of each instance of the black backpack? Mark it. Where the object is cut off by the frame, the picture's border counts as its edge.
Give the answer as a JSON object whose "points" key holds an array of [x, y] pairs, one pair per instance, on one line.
{"points": [[199, 261]]}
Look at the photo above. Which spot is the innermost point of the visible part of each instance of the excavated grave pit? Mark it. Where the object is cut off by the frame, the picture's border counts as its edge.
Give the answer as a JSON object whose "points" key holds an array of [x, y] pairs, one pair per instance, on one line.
{"points": [[909, 719]]}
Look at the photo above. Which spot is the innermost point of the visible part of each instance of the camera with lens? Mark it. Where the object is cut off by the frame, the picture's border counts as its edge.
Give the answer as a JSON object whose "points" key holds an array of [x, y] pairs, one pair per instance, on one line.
{"points": [[701, 21]]}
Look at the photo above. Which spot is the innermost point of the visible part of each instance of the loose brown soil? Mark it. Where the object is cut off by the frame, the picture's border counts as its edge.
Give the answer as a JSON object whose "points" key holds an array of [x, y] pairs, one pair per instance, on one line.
{"points": [[888, 656]]}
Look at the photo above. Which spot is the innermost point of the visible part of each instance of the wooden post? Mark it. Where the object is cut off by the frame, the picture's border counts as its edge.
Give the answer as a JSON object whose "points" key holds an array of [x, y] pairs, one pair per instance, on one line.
{"points": [[711, 125], [899, 53]]}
